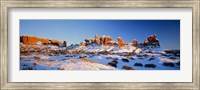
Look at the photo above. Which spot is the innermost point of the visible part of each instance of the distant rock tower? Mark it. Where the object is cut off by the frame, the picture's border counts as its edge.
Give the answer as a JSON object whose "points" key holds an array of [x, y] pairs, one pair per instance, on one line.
{"points": [[152, 41], [64, 44], [135, 42], [108, 41], [102, 40], [120, 42], [96, 40]]}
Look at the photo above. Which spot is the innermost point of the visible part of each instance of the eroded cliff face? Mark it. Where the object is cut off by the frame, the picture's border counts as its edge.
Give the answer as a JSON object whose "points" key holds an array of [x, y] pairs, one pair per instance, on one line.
{"points": [[120, 42], [97, 40], [135, 42], [152, 40], [33, 40], [104, 40], [108, 41]]}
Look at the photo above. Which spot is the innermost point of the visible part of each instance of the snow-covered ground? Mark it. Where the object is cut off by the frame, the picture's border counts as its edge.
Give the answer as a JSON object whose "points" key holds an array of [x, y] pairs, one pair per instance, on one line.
{"points": [[96, 57]]}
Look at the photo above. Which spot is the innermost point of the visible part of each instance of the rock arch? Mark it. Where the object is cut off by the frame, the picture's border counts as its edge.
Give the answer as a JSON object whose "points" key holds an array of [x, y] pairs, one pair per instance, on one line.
{"points": [[32, 40]]}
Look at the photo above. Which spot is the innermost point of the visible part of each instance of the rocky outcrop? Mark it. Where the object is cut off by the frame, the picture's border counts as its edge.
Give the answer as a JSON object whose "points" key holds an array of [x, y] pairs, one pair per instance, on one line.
{"points": [[127, 68], [152, 38], [151, 41], [146, 41], [55, 42], [102, 40], [92, 40], [96, 40], [64, 44], [109, 41], [87, 41], [120, 42], [83, 43], [33, 40], [135, 42], [106, 40]]}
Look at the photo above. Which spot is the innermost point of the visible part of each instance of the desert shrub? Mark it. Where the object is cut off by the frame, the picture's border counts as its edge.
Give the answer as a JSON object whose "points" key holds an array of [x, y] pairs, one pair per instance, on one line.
{"points": [[139, 55], [104, 52], [114, 64], [150, 65], [30, 68], [150, 52], [115, 61], [168, 64], [109, 57], [146, 55], [63, 52], [37, 58], [50, 55], [53, 52], [138, 64], [115, 58], [63, 59], [177, 55], [172, 57], [125, 60], [152, 58], [140, 58], [178, 63], [67, 56], [162, 54], [83, 57], [132, 58], [60, 68], [24, 64], [127, 68], [34, 63]]}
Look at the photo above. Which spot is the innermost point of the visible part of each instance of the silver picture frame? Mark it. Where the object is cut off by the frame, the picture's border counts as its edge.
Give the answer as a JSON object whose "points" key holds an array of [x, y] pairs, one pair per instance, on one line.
{"points": [[7, 4]]}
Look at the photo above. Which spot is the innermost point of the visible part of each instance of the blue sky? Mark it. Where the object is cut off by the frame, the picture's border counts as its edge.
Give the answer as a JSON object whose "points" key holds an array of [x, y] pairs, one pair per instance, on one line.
{"points": [[75, 31]]}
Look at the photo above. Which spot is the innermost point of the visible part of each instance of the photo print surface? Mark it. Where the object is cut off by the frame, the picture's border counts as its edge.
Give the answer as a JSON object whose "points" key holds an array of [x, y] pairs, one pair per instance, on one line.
{"points": [[99, 44]]}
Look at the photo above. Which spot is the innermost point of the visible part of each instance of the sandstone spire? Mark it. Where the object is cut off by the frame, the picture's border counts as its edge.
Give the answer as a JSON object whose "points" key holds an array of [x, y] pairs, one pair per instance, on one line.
{"points": [[97, 39], [120, 42], [135, 42]]}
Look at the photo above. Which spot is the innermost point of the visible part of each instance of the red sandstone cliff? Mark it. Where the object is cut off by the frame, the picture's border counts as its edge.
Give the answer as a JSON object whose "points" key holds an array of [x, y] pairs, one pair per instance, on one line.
{"points": [[120, 42], [33, 40]]}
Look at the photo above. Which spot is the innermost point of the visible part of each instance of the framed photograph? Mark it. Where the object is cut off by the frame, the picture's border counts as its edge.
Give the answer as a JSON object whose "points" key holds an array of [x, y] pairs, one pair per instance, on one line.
{"points": [[100, 44]]}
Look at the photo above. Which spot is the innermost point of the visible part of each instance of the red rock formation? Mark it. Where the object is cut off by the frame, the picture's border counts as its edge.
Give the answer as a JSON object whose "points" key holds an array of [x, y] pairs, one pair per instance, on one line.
{"points": [[64, 44], [102, 40], [146, 41], [152, 38], [32, 40], [56, 42], [44, 40], [83, 43], [106, 40], [92, 40], [135, 42], [87, 42], [24, 39], [96, 40], [109, 41], [120, 42]]}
